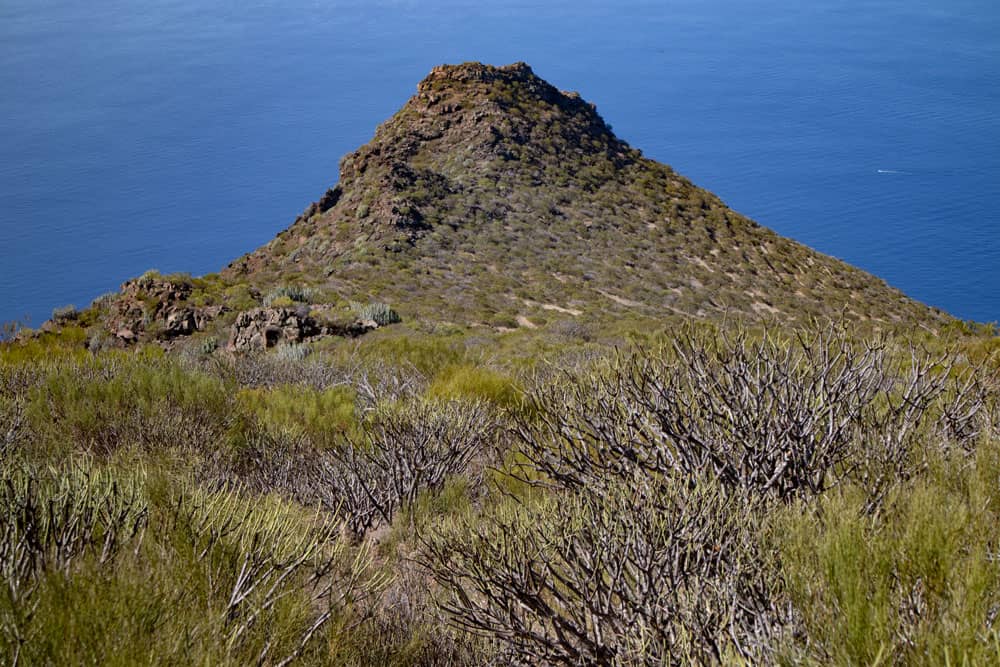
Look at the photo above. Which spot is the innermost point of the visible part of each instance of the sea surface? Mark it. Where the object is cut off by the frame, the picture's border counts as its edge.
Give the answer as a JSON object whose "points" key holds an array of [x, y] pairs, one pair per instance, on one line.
{"points": [[179, 134]]}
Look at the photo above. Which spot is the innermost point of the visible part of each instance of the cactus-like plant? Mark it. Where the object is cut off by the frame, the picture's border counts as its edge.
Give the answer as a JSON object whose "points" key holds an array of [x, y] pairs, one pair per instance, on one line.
{"points": [[292, 352], [379, 313], [295, 293]]}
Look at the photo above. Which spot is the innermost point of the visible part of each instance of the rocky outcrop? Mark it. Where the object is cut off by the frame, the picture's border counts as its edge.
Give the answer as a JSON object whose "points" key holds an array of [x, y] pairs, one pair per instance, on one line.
{"points": [[154, 306], [262, 328]]}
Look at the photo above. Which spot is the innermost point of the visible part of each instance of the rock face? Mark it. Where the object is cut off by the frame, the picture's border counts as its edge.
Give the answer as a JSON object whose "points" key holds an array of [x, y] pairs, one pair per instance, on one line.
{"points": [[156, 306], [262, 328]]}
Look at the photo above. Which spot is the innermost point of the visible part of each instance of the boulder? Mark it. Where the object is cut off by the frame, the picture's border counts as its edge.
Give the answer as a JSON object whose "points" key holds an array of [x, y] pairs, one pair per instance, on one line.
{"points": [[126, 335], [261, 328], [180, 322]]}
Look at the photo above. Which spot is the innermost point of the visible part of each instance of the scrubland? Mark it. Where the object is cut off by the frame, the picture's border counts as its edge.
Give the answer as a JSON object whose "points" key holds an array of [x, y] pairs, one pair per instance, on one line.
{"points": [[704, 495]]}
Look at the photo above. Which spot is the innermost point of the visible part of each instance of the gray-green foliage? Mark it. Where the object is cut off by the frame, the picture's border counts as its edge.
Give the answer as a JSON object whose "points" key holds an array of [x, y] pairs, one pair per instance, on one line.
{"points": [[379, 313], [208, 345], [65, 313], [296, 293], [291, 352], [100, 568]]}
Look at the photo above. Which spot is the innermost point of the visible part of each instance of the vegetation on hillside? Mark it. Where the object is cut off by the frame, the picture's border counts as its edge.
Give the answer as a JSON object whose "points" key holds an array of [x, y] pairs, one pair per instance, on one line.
{"points": [[491, 202], [599, 424], [806, 496], [492, 199]]}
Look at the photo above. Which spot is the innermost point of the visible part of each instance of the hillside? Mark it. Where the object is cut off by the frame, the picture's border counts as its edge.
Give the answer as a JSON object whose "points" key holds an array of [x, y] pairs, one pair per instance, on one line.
{"points": [[598, 431], [492, 197]]}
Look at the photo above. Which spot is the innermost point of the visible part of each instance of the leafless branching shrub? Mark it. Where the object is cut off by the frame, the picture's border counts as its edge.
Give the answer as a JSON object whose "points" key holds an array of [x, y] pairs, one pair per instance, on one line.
{"points": [[47, 525], [631, 556], [406, 623], [403, 452], [927, 398], [373, 381], [648, 572], [969, 407], [12, 423], [379, 382], [15, 384], [774, 417], [279, 461]]}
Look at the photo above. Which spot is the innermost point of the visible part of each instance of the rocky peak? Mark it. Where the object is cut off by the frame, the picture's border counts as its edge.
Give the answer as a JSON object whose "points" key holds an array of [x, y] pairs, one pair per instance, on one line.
{"points": [[487, 91], [492, 188], [492, 115]]}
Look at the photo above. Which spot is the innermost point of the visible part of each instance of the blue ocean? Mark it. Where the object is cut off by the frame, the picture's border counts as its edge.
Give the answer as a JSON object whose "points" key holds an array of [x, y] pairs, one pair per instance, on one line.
{"points": [[177, 135]]}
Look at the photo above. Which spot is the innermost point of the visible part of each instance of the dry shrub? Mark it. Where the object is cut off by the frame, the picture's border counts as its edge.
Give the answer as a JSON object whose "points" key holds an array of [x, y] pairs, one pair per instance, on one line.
{"points": [[634, 572], [775, 417], [404, 451], [648, 478]]}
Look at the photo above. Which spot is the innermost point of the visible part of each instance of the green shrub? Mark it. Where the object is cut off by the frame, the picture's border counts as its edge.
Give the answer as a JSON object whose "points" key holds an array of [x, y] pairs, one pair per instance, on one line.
{"points": [[68, 343], [119, 400], [216, 578], [465, 381], [426, 354], [321, 415], [147, 278], [914, 584], [279, 302]]}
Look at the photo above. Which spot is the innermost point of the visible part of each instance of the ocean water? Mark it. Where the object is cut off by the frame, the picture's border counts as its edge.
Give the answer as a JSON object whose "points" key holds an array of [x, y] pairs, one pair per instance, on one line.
{"points": [[179, 134]]}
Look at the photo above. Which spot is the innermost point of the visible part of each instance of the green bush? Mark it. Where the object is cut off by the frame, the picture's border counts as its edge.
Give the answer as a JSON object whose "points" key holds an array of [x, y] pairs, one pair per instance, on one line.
{"points": [[465, 381], [426, 354], [915, 584], [99, 571], [323, 415], [119, 400]]}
